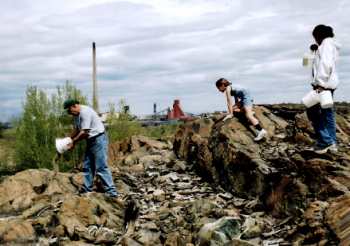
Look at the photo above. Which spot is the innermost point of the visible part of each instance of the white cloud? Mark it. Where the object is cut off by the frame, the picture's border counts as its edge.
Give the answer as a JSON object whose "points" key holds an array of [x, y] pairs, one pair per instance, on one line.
{"points": [[158, 50]]}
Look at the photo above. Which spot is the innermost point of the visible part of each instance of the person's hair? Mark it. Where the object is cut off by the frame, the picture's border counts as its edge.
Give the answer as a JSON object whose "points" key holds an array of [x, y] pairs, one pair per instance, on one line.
{"points": [[321, 32], [222, 81], [313, 47], [70, 102]]}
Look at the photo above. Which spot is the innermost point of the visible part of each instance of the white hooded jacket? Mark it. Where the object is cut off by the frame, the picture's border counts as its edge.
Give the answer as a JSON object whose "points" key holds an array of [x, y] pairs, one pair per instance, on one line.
{"points": [[324, 66]]}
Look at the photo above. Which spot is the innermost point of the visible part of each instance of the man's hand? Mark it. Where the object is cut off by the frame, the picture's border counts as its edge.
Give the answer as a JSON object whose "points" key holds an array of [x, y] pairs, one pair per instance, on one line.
{"points": [[70, 146], [229, 116], [76, 137]]}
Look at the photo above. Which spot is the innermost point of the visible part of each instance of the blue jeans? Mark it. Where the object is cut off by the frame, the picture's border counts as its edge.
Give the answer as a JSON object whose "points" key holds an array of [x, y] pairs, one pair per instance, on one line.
{"points": [[95, 162], [323, 122]]}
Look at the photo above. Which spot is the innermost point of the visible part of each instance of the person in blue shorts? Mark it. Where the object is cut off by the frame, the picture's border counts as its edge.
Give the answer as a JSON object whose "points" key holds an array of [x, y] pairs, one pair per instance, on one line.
{"points": [[243, 103]]}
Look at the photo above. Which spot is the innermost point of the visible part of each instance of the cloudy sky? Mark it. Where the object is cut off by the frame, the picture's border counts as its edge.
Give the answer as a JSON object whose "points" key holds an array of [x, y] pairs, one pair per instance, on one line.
{"points": [[159, 50]]}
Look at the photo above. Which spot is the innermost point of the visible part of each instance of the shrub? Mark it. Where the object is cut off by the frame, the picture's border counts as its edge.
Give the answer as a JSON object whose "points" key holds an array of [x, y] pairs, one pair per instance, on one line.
{"points": [[162, 132], [43, 120], [120, 124], [2, 128]]}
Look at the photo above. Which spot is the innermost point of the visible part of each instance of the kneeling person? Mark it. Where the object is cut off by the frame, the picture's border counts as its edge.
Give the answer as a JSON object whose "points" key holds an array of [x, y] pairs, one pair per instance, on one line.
{"points": [[243, 102]]}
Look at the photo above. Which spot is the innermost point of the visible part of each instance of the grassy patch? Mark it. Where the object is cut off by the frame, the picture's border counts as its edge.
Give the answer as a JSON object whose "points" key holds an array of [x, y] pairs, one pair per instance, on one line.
{"points": [[7, 151], [163, 132], [121, 129]]}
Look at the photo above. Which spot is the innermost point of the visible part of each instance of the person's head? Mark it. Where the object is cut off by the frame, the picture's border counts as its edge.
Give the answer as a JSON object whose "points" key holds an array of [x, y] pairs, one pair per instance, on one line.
{"points": [[221, 84], [72, 106], [314, 47], [322, 32]]}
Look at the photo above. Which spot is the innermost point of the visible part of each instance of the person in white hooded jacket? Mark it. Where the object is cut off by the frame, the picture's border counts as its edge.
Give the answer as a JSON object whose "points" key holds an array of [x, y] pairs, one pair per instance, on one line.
{"points": [[324, 77], [324, 66]]}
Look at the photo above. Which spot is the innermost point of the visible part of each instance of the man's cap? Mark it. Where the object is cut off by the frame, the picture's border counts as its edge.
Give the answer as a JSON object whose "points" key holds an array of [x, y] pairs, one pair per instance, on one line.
{"points": [[70, 102]]}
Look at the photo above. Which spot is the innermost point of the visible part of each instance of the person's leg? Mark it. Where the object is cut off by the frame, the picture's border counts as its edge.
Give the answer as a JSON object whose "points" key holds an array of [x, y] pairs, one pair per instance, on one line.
{"points": [[317, 117], [248, 110], [260, 132], [328, 116], [102, 170], [314, 114], [325, 138], [88, 171], [247, 104]]}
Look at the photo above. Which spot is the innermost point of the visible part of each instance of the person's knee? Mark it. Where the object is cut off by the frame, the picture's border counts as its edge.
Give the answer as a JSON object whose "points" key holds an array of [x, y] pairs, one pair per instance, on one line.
{"points": [[101, 166]]}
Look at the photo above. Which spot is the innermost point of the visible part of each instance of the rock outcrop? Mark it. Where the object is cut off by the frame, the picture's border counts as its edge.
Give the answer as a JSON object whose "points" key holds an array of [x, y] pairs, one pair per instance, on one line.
{"points": [[338, 218], [280, 173], [212, 186], [41, 206]]}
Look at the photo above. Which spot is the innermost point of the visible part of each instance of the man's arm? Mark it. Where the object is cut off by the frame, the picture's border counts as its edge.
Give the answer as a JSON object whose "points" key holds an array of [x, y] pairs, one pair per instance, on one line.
{"points": [[77, 136], [74, 133], [82, 134]]}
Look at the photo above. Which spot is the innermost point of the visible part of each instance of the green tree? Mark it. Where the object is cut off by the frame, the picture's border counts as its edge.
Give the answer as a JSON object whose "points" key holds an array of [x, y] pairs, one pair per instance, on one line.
{"points": [[42, 121], [120, 123]]}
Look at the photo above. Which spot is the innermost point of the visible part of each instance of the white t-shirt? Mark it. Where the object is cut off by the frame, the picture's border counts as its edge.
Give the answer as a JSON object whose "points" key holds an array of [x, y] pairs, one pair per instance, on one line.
{"points": [[89, 120]]}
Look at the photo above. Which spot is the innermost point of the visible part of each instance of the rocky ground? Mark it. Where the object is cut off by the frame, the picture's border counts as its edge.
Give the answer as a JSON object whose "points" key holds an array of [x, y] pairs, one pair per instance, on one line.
{"points": [[211, 185]]}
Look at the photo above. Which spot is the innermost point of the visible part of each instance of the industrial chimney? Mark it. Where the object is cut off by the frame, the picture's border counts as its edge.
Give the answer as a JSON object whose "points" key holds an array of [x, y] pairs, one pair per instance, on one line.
{"points": [[94, 81]]}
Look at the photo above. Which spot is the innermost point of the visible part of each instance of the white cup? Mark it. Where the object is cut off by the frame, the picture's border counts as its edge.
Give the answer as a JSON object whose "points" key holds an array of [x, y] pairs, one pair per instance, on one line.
{"points": [[62, 144], [308, 59]]}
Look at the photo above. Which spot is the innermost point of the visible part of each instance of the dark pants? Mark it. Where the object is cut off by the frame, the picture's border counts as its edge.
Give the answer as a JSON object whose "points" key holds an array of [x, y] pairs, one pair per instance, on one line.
{"points": [[323, 122]]}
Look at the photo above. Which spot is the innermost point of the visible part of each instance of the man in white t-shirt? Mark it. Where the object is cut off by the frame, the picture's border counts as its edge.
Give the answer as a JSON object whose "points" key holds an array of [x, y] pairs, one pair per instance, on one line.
{"points": [[89, 126]]}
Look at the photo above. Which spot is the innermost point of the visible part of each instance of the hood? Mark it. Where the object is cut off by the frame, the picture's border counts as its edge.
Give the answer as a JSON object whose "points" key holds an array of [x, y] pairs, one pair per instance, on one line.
{"points": [[332, 42]]}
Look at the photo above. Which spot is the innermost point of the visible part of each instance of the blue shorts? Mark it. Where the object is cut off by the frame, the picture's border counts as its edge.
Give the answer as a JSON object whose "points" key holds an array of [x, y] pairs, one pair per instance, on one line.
{"points": [[244, 98]]}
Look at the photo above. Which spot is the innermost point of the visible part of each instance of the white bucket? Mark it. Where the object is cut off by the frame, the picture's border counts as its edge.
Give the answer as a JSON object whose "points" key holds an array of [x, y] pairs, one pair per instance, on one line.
{"points": [[311, 99], [62, 144], [326, 99]]}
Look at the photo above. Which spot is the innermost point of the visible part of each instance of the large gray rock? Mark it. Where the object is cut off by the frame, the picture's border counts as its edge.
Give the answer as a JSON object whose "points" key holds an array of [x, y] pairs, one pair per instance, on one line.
{"points": [[279, 172], [338, 218], [36, 203], [219, 232]]}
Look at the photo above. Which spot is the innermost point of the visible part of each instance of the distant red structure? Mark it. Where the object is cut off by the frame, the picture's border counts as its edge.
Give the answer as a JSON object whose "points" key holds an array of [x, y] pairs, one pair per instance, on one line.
{"points": [[176, 113]]}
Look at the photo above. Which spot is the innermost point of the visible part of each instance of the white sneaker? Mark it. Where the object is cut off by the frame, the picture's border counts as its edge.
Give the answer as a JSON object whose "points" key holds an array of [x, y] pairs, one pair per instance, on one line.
{"points": [[333, 148], [261, 134], [322, 150]]}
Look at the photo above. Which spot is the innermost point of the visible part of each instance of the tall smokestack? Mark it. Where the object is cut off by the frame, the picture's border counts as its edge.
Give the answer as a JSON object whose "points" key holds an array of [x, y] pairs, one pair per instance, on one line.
{"points": [[154, 108], [94, 81]]}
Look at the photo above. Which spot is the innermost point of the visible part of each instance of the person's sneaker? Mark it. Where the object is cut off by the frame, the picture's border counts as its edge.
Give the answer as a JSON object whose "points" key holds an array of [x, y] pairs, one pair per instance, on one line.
{"points": [[261, 134], [322, 150], [111, 195], [82, 192], [333, 148], [311, 148]]}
